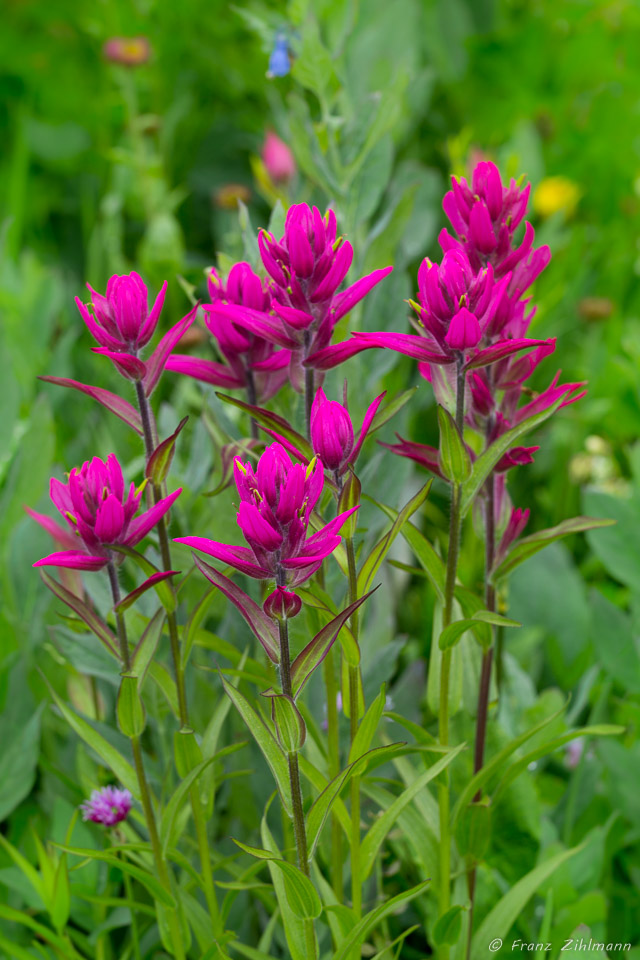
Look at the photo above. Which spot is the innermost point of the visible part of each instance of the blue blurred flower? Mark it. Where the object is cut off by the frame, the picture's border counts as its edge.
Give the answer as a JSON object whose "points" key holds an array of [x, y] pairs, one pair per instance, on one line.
{"points": [[279, 61]]}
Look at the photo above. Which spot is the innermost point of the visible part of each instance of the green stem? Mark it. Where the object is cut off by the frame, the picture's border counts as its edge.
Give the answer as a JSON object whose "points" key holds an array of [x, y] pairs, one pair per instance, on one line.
{"points": [[299, 828], [197, 809], [333, 738], [455, 521], [135, 937], [354, 705], [145, 794]]}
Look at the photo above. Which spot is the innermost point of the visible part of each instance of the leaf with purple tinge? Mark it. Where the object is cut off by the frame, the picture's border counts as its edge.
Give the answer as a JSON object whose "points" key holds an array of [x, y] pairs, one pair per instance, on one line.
{"points": [[114, 403], [272, 421], [501, 350], [156, 362], [155, 578], [528, 546], [86, 614], [316, 650], [264, 629], [160, 460]]}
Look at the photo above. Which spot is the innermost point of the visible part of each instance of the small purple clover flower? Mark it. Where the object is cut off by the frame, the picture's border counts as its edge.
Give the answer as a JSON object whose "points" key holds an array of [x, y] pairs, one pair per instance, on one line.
{"points": [[108, 806]]}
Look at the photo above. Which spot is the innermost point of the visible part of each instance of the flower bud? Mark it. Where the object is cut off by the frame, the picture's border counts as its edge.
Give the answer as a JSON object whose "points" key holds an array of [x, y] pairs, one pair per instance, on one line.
{"points": [[278, 158], [282, 604], [464, 331], [331, 432]]}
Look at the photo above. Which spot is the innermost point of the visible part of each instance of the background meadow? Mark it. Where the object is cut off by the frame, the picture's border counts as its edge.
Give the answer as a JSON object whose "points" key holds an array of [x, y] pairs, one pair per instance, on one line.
{"points": [[105, 169]]}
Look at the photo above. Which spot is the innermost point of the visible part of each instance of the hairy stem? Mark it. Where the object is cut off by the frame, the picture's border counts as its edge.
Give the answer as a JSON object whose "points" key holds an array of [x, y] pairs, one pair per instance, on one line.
{"points": [[150, 442], [252, 398], [333, 739], [299, 828], [455, 521], [354, 705], [145, 794]]}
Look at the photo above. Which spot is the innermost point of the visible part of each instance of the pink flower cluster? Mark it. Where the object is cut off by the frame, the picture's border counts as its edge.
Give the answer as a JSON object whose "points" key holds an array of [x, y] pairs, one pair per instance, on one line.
{"points": [[108, 806]]}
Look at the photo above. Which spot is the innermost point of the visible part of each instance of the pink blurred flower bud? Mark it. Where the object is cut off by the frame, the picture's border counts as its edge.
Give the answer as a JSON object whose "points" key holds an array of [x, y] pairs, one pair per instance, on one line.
{"points": [[282, 604], [128, 51], [278, 158]]}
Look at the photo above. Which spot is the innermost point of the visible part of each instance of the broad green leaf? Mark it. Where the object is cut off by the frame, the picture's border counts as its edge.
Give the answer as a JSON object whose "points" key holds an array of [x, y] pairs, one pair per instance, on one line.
{"points": [[18, 763], [300, 892], [268, 744], [473, 830], [147, 879], [455, 461], [368, 726], [527, 546], [497, 762], [129, 708], [522, 763], [121, 768], [146, 646], [290, 728], [186, 751], [448, 927], [451, 634], [500, 919], [485, 463], [381, 826], [86, 614], [61, 945], [373, 562], [363, 928], [293, 926]]}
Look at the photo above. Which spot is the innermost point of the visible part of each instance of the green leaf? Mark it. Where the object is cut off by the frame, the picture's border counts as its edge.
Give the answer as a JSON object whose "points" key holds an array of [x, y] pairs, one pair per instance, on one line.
{"points": [[60, 944], [473, 830], [186, 751], [258, 852], [166, 684], [373, 562], [527, 546], [300, 892], [349, 499], [156, 581], [86, 614], [496, 762], [26, 868], [268, 744], [294, 927], [61, 896], [147, 879], [162, 588], [373, 839], [122, 770], [316, 650], [389, 410], [159, 462], [273, 422], [146, 646], [18, 763], [368, 726], [451, 634], [171, 810], [429, 560], [454, 458], [369, 922], [313, 67], [448, 927], [129, 708], [197, 616], [500, 919], [290, 728], [485, 463]]}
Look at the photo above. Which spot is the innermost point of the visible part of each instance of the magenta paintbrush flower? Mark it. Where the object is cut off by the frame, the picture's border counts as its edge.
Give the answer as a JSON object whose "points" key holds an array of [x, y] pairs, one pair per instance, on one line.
{"points": [[108, 806], [252, 362], [122, 324], [100, 515], [307, 265], [276, 504]]}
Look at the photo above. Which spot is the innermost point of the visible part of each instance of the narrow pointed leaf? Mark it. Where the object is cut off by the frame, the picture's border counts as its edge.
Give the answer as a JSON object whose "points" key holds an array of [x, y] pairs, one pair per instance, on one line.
{"points": [[389, 410], [148, 584], [290, 727], [164, 590], [373, 562], [485, 463], [300, 892], [451, 634], [263, 628], [146, 646], [316, 650], [454, 458], [160, 460], [528, 546], [266, 741], [368, 726], [429, 560], [381, 826], [273, 422], [498, 922], [363, 928], [114, 403], [147, 879], [86, 614]]}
